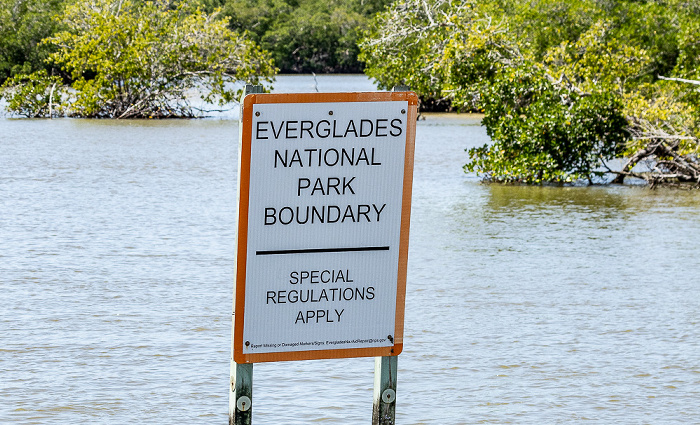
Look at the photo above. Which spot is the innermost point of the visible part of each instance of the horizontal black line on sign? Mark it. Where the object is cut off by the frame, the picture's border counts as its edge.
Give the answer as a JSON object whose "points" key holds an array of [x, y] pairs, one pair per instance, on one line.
{"points": [[321, 250]]}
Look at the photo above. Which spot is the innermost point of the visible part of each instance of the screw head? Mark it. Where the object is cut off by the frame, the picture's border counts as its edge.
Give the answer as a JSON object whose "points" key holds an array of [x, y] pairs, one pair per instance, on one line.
{"points": [[388, 396], [257, 114], [243, 403]]}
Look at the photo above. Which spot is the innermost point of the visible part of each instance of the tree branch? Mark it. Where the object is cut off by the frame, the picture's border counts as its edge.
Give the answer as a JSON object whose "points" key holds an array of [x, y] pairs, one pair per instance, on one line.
{"points": [[682, 80]]}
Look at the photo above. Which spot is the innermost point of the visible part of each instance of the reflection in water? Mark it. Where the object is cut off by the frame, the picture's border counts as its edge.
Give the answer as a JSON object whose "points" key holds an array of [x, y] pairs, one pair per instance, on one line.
{"points": [[581, 199], [524, 304], [552, 304]]}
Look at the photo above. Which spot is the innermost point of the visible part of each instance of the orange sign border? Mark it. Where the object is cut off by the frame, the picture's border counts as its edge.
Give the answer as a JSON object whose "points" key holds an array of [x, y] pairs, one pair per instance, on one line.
{"points": [[243, 205]]}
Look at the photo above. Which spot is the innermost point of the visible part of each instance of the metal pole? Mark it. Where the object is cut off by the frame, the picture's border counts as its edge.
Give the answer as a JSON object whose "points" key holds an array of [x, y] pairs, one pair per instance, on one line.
{"points": [[384, 409]]}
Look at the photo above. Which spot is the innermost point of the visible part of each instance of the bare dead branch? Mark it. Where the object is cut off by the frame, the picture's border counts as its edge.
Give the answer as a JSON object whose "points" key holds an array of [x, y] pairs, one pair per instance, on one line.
{"points": [[681, 80]]}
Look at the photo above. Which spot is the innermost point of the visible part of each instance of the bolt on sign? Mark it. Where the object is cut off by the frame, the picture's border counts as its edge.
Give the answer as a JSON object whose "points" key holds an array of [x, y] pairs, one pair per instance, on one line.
{"points": [[324, 209]]}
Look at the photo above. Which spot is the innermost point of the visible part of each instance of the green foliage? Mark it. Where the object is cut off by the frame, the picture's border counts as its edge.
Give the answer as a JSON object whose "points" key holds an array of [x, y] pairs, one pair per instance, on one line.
{"points": [[34, 95], [305, 35], [543, 24], [23, 24], [130, 59], [597, 61], [441, 49], [301, 35], [562, 84], [542, 132], [688, 65], [650, 26]]}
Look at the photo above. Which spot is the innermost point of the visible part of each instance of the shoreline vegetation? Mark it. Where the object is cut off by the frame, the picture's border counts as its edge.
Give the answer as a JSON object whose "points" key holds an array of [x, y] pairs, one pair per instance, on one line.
{"points": [[564, 88], [137, 59]]}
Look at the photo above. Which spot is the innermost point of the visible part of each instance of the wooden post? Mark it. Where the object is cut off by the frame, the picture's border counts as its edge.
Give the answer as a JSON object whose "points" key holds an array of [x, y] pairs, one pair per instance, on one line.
{"points": [[249, 88], [240, 403], [385, 368], [384, 409]]}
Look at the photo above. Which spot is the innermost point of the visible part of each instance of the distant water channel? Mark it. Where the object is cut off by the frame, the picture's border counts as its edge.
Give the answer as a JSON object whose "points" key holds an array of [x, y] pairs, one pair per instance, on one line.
{"points": [[525, 305]]}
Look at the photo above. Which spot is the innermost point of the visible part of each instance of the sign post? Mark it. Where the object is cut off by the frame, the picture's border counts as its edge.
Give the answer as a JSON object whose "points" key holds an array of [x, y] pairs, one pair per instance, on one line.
{"points": [[324, 209]]}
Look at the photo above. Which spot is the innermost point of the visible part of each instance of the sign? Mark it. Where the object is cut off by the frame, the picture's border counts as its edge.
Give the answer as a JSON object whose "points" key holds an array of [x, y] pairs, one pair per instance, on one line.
{"points": [[324, 209]]}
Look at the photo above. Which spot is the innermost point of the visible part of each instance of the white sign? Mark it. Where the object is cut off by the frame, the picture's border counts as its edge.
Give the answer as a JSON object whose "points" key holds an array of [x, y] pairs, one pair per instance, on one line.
{"points": [[324, 225]]}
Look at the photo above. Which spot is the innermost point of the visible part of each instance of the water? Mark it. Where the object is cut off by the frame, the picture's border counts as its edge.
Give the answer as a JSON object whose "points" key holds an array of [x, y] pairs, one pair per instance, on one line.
{"points": [[524, 305]]}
